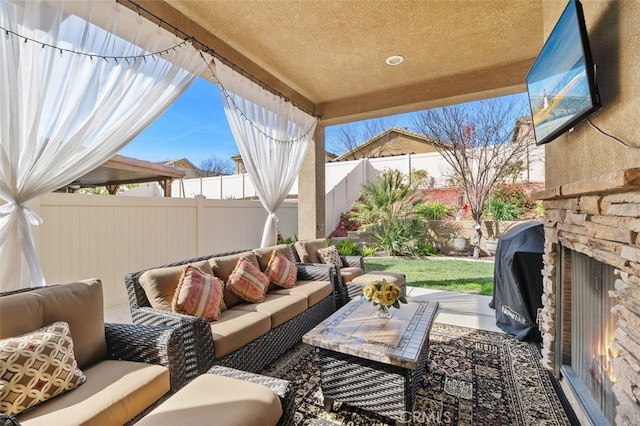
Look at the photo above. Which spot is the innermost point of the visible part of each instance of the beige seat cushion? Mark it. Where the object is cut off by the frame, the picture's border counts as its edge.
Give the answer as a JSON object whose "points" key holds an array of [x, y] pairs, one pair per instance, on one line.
{"points": [[79, 304], [392, 277], [236, 328], [314, 291], [217, 400], [308, 250], [281, 307], [114, 393], [349, 273], [160, 284], [223, 266]]}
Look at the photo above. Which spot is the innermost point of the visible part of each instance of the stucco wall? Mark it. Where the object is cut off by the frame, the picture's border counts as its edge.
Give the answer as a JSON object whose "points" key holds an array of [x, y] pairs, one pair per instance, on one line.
{"points": [[614, 35]]}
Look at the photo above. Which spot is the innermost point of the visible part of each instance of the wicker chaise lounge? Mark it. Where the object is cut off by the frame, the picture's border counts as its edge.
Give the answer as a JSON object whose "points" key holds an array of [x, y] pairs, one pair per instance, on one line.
{"points": [[310, 302]]}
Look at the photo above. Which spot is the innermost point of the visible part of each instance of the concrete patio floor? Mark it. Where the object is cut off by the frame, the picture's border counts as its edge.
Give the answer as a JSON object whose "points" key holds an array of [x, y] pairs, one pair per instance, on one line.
{"points": [[465, 310]]}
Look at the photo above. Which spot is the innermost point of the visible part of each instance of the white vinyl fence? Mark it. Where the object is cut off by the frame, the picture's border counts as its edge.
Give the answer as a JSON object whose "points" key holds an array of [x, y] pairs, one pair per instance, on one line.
{"points": [[344, 179], [87, 236], [240, 186]]}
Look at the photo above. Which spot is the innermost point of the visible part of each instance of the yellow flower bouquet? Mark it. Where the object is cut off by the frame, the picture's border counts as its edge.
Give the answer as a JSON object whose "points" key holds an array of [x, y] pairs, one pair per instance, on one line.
{"points": [[383, 294]]}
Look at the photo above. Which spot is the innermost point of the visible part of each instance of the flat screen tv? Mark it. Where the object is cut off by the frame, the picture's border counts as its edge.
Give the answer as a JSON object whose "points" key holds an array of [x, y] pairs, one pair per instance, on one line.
{"points": [[561, 83]]}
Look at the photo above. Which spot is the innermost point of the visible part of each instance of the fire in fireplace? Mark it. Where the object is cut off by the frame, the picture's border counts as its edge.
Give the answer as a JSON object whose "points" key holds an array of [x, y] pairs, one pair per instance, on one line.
{"points": [[587, 333]]}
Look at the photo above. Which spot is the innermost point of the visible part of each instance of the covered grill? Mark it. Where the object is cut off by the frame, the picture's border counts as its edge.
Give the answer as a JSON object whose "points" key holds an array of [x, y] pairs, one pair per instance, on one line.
{"points": [[517, 282]]}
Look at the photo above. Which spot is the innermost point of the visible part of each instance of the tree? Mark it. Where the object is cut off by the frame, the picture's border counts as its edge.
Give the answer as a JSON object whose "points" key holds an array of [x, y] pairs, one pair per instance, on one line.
{"points": [[478, 143], [387, 208], [217, 166]]}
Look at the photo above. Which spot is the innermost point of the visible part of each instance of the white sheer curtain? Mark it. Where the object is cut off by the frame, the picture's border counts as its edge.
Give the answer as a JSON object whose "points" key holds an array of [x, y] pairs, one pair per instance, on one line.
{"points": [[63, 114], [273, 137]]}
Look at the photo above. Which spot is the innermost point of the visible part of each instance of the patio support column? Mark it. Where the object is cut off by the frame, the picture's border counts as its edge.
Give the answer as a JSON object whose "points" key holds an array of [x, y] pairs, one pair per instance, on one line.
{"points": [[311, 191]]}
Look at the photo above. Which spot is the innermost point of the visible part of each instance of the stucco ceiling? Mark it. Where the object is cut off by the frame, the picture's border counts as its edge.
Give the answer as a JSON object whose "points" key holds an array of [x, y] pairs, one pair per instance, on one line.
{"points": [[329, 56]]}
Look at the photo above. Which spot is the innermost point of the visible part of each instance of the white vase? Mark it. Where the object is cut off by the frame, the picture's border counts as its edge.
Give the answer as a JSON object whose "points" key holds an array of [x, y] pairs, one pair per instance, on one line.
{"points": [[492, 246], [460, 244]]}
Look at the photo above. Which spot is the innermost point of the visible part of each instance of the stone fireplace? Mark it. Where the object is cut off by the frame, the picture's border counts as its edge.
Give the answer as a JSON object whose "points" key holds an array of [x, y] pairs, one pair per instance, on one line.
{"points": [[592, 263]]}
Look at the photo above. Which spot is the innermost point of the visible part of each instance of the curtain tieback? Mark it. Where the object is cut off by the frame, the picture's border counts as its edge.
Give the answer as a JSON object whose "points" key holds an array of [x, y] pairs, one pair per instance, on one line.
{"points": [[31, 216], [274, 217]]}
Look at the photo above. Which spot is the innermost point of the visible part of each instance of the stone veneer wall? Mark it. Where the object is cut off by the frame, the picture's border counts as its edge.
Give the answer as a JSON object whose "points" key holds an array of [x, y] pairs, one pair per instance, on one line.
{"points": [[607, 228]]}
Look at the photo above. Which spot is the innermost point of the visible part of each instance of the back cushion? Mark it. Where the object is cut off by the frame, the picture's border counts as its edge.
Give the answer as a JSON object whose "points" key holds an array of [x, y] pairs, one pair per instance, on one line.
{"points": [[79, 304], [308, 250], [223, 266], [264, 254], [19, 314], [160, 284]]}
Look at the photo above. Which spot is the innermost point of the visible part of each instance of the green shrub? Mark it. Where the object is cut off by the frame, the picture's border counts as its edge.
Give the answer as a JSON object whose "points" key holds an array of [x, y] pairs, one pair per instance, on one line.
{"points": [[509, 201], [347, 248], [287, 240], [387, 208], [501, 209], [428, 249], [401, 237], [368, 251], [433, 211]]}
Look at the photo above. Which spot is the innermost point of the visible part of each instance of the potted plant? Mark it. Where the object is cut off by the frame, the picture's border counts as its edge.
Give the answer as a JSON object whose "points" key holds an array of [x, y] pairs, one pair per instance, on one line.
{"points": [[460, 243], [492, 245]]}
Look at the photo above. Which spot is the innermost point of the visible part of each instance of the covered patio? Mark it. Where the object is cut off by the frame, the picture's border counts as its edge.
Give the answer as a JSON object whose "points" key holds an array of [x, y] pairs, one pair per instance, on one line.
{"points": [[346, 61], [329, 58]]}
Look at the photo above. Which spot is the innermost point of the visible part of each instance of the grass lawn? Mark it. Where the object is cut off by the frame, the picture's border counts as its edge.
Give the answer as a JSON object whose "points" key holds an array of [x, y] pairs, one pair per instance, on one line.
{"points": [[461, 276]]}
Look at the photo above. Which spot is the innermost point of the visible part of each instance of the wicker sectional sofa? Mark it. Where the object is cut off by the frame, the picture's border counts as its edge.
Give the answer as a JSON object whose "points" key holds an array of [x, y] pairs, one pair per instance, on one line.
{"points": [[247, 336], [128, 368], [306, 251]]}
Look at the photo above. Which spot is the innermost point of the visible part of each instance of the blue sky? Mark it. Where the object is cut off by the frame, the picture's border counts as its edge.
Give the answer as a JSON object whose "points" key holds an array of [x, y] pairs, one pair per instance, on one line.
{"points": [[195, 127]]}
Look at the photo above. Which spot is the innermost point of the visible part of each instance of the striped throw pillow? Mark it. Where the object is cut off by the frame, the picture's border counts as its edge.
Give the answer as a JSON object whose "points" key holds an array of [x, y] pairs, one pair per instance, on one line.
{"points": [[281, 271], [248, 282], [198, 294]]}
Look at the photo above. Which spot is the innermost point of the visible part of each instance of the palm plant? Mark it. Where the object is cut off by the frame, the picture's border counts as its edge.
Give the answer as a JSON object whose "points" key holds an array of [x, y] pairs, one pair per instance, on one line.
{"points": [[387, 208]]}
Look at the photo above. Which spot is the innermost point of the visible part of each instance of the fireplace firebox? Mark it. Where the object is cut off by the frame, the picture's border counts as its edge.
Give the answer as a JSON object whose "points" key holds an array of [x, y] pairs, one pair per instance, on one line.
{"points": [[587, 330]]}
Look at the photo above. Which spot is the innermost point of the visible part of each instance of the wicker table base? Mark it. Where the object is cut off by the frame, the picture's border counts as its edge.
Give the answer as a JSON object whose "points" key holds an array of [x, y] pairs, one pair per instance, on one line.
{"points": [[370, 385], [373, 364]]}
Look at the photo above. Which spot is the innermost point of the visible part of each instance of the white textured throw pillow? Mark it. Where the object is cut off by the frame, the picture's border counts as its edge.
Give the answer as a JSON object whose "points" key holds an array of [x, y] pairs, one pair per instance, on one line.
{"points": [[36, 367]]}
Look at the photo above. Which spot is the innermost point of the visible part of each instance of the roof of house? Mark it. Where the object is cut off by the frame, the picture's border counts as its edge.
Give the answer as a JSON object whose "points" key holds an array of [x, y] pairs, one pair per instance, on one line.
{"points": [[397, 130], [179, 160]]}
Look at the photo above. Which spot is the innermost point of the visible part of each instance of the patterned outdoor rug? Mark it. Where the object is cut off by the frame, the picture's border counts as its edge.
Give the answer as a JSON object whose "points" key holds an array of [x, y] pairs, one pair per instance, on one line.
{"points": [[475, 378]]}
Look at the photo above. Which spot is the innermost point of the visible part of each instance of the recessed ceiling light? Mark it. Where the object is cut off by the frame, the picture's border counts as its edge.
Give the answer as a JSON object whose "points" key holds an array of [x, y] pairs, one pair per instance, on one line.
{"points": [[394, 60]]}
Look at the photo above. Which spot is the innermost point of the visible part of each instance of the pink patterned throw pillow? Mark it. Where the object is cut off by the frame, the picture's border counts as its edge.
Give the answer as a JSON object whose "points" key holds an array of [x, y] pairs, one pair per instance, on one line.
{"points": [[281, 271], [248, 282], [198, 294]]}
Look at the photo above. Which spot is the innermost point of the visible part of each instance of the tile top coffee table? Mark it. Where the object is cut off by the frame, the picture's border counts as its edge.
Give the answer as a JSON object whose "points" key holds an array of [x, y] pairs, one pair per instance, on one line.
{"points": [[374, 364]]}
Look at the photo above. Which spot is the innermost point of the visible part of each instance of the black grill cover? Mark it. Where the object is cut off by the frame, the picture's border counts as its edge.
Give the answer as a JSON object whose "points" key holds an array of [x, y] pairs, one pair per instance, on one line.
{"points": [[517, 280]]}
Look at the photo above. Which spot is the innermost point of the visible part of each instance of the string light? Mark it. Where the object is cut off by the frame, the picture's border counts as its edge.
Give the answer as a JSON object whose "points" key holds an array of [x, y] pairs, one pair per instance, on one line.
{"points": [[204, 48], [154, 55], [247, 119], [133, 58]]}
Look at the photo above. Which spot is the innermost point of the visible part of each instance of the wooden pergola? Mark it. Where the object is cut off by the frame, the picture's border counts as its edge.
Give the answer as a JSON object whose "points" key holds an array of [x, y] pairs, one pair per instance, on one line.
{"points": [[120, 170]]}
